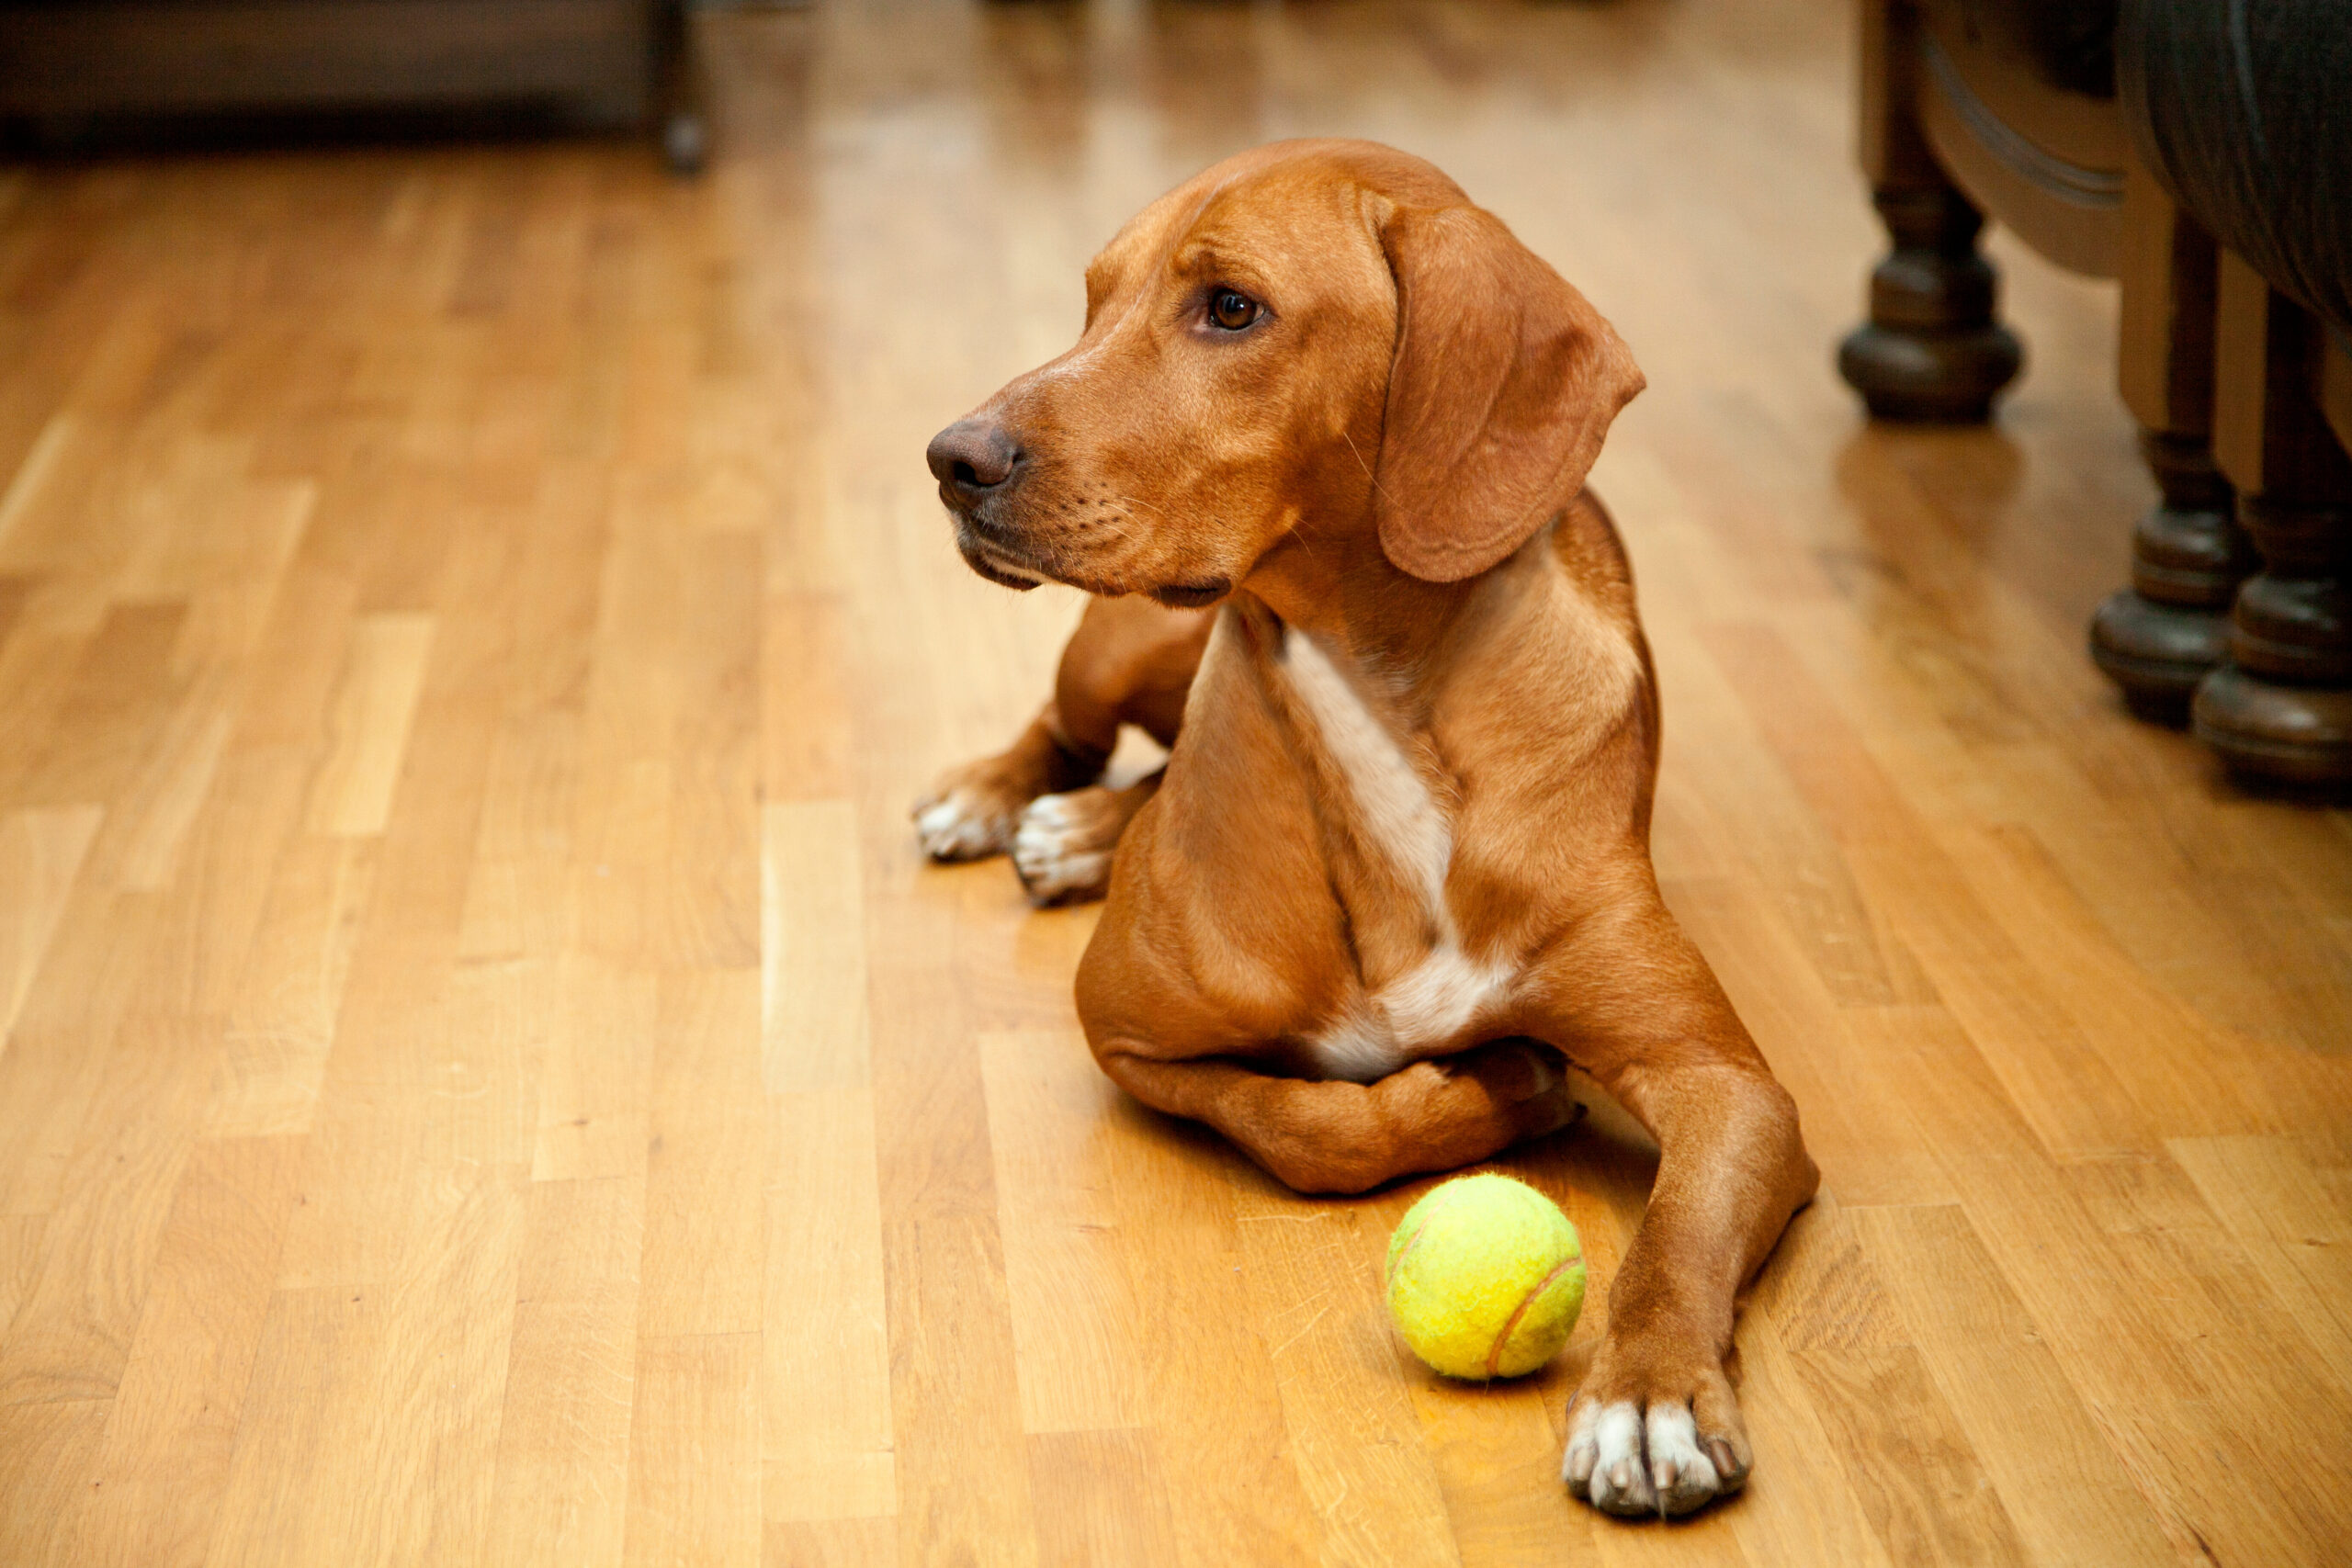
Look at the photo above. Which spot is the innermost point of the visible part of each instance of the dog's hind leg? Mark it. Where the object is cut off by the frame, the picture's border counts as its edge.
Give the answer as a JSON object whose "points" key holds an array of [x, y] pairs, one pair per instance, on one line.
{"points": [[1130, 661], [1330, 1135]]}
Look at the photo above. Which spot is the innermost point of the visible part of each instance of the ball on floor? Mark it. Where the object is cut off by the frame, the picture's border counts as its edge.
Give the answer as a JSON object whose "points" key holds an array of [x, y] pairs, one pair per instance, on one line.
{"points": [[1486, 1278]]}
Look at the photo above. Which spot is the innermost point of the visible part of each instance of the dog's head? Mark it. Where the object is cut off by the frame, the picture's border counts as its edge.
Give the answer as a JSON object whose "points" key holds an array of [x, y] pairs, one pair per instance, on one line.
{"points": [[1323, 337]]}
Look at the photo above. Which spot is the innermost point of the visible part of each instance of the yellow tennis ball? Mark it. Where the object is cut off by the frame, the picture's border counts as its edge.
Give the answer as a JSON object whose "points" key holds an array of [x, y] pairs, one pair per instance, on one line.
{"points": [[1486, 1276]]}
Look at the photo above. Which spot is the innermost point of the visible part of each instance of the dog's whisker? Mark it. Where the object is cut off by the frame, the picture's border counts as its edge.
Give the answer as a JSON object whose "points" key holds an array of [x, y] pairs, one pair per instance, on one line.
{"points": [[1138, 500]]}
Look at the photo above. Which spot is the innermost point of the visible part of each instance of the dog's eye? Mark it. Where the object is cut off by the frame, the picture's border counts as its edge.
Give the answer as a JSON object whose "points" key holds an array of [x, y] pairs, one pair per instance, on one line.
{"points": [[1231, 310]]}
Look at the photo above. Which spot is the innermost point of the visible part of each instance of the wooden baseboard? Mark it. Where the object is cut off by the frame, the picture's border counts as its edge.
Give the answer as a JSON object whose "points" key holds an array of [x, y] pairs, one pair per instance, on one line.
{"points": [[139, 57]]}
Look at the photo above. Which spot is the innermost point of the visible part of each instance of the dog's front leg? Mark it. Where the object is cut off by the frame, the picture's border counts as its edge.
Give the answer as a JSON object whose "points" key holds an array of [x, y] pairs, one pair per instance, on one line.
{"points": [[1130, 661], [1656, 1428], [976, 809], [1062, 845], [1329, 1135]]}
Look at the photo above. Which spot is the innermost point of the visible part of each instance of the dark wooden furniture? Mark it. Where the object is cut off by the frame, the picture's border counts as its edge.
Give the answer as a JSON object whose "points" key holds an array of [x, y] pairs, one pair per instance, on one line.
{"points": [[2208, 164], [70, 69]]}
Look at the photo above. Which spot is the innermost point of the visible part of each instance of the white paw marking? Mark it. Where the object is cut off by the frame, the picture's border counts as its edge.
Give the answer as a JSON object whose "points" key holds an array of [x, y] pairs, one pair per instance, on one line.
{"points": [[1619, 1479], [1681, 1474], [959, 827], [1621, 1462], [1055, 853]]}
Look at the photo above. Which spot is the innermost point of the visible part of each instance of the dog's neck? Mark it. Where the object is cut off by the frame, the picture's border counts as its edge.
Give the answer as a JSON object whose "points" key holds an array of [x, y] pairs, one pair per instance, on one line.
{"points": [[1349, 594]]}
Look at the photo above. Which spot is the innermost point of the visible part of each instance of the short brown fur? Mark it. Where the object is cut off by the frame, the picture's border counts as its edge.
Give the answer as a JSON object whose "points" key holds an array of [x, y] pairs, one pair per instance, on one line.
{"points": [[1389, 462]]}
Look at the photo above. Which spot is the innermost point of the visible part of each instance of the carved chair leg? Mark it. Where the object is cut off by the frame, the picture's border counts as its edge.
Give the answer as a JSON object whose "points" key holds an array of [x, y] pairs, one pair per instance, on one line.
{"points": [[680, 103], [2160, 637], [2281, 708], [1931, 349]]}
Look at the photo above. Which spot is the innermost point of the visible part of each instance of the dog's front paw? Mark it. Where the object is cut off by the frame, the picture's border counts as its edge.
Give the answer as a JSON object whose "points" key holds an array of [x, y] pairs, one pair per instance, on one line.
{"points": [[1643, 1443], [1062, 845], [968, 817]]}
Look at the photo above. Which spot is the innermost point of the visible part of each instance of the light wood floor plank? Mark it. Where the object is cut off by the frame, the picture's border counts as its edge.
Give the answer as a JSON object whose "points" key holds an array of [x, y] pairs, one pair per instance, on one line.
{"points": [[2111, 1312], [50, 1455], [963, 1472], [374, 704], [1337, 1363], [40, 854], [1100, 1499], [2076, 1102], [830, 1544], [2296, 1233], [160, 1472], [704, 1267], [109, 712], [2069, 1495], [1909, 1457], [595, 1067], [282, 1025], [1822, 1519], [55, 1055], [562, 1487], [825, 1387], [1492, 1449], [72, 1336], [1075, 1324], [813, 978], [1223, 1445]]}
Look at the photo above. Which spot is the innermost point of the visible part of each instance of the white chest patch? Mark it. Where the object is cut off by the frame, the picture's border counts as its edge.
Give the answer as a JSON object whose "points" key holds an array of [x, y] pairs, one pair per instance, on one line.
{"points": [[1442, 995]]}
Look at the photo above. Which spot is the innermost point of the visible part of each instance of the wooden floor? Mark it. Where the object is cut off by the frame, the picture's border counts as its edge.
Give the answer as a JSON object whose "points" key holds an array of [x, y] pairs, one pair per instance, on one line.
{"points": [[488, 1080]]}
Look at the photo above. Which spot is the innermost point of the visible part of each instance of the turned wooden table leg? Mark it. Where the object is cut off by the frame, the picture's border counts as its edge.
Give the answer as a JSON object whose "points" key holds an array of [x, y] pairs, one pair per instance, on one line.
{"points": [[1931, 349], [2158, 637], [681, 105], [2281, 707]]}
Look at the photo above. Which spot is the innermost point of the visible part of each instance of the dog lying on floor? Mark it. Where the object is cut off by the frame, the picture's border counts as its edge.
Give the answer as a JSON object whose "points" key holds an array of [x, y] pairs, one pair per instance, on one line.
{"points": [[1320, 456]]}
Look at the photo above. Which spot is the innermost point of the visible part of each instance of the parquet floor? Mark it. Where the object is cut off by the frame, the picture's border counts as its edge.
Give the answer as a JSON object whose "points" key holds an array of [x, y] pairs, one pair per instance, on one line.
{"points": [[488, 1080]]}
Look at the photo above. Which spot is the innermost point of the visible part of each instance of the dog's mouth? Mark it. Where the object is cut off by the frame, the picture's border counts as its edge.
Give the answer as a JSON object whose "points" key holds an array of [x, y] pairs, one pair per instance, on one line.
{"points": [[993, 564], [995, 552], [1015, 562], [1010, 558], [1193, 595]]}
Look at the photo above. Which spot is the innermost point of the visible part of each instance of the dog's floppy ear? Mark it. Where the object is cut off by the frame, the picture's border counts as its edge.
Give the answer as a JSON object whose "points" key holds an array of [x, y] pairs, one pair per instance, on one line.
{"points": [[1503, 385]]}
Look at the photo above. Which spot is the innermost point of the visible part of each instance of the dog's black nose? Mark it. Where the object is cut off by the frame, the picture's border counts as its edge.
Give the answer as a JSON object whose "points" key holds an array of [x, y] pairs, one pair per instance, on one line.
{"points": [[972, 458]]}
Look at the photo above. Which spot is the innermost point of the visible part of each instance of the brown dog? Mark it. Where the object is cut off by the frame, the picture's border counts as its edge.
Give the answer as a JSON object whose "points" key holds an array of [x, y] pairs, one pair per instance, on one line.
{"points": [[1404, 833]]}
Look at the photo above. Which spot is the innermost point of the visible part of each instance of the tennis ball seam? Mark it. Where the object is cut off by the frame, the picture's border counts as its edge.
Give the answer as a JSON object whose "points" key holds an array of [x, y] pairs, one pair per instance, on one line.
{"points": [[1397, 1262], [1437, 1206], [1511, 1326], [1412, 1241]]}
